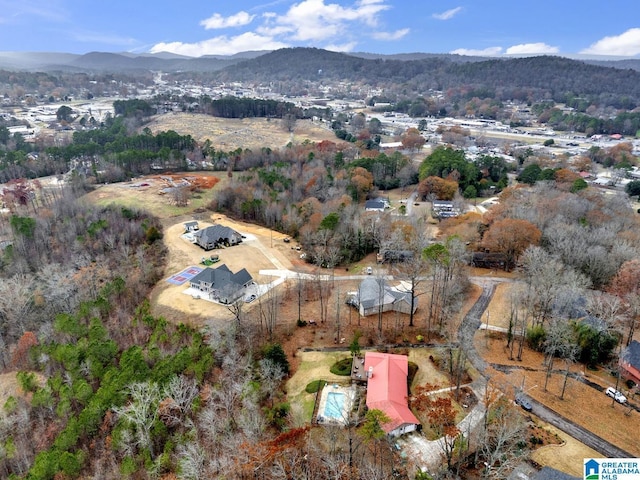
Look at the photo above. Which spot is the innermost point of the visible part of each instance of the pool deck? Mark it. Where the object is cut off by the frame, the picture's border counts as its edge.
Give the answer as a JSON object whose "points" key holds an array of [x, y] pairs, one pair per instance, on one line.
{"points": [[349, 399]]}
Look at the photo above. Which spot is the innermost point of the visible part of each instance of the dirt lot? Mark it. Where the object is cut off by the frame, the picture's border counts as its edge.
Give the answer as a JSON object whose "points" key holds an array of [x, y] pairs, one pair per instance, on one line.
{"points": [[145, 193], [262, 250], [231, 133]]}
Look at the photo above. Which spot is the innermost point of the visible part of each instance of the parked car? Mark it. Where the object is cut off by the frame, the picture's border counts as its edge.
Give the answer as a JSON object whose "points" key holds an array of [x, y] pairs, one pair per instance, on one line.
{"points": [[369, 270], [616, 395], [524, 403], [250, 298]]}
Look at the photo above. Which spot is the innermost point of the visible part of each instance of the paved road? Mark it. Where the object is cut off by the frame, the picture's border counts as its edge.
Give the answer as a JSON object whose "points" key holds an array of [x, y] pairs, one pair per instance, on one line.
{"points": [[576, 431], [466, 332]]}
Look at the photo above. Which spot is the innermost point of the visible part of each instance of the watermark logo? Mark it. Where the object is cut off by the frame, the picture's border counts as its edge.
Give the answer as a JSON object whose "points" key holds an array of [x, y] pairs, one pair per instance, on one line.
{"points": [[611, 469], [591, 469]]}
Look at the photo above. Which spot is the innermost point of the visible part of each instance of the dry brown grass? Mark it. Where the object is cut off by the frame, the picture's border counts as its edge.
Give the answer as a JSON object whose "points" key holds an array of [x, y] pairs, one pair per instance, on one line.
{"points": [[499, 309], [150, 198], [566, 457], [232, 133], [172, 303], [582, 404]]}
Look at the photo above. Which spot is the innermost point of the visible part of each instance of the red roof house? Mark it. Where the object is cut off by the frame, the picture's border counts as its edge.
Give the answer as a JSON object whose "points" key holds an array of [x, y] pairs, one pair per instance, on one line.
{"points": [[630, 362], [387, 391]]}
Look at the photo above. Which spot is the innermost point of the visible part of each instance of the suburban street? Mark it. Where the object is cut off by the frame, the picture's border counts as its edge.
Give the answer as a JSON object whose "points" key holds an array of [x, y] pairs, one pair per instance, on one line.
{"points": [[469, 327]]}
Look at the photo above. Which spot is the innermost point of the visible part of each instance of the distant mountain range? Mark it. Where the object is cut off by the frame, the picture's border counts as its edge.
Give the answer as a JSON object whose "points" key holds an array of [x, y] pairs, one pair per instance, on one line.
{"points": [[606, 82], [117, 62], [170, 62]]}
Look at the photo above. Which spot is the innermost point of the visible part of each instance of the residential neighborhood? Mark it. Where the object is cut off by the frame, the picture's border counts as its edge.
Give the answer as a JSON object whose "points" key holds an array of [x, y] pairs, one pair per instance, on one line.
{"points": [[303, 263]]}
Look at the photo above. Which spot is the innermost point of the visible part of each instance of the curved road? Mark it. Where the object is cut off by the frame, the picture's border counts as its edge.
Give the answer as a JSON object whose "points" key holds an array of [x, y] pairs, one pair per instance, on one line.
{"points": [[466, 332]]}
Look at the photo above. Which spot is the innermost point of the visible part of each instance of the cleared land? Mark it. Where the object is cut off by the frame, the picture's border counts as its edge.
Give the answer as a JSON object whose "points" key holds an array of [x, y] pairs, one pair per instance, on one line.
{"points": [[228, 134]]}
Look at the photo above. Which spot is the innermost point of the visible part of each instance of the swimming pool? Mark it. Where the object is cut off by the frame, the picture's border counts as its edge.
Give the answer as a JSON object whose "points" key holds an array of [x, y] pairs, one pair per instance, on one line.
{"points": [[334, 408]]}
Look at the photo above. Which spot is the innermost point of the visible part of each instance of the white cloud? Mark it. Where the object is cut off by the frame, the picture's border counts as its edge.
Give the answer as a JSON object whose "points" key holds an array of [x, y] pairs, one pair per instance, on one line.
{"points": [[625, 44], [315, 20], [305, 23], [487, 52], [14, 12], [448, 15], [531, 48], [397, 35], [222, 45], [345, 47], [218, 21]]}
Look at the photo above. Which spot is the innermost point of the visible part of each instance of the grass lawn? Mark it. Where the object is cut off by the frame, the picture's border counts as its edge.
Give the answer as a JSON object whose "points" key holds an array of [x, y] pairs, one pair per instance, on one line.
{"points": [[313, 366], [499, 309], [427, 373], [316, 365]]}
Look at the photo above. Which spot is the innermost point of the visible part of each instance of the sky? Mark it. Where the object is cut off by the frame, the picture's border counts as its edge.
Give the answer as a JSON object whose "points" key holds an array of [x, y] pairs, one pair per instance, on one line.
{"points": [[223, 27]]}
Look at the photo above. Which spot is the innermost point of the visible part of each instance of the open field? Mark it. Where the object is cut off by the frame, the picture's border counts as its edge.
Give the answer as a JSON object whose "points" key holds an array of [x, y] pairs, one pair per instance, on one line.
{"points": [[144, 193], [232, 133]]}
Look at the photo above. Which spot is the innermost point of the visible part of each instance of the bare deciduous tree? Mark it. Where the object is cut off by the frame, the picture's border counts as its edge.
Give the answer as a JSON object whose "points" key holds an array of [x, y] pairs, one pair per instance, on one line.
{"points": [[500, 441], [141, 412]]}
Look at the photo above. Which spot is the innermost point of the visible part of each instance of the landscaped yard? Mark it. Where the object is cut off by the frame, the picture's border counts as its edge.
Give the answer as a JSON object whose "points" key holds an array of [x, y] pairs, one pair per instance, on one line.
{"points": [[313, 366], [316, 366], [566, 456]]}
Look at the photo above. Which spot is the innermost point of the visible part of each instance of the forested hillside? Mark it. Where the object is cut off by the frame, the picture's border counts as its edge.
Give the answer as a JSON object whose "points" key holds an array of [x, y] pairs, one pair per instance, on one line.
{"points": [[540, 75]]}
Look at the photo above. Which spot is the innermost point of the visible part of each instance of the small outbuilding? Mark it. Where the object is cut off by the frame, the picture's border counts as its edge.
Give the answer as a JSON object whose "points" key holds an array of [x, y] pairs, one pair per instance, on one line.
{"points": [[191, 226]]}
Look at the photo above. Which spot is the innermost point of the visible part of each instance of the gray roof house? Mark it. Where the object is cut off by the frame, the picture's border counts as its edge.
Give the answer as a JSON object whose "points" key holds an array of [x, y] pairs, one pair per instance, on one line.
{"points": [[548, 473], [222, 284], [375, 294], [217, 236], [376, 205]]}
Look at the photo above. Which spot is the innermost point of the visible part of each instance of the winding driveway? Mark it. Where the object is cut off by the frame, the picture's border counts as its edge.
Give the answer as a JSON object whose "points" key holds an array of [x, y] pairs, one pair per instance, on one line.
{"points": [[466, 332]]}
